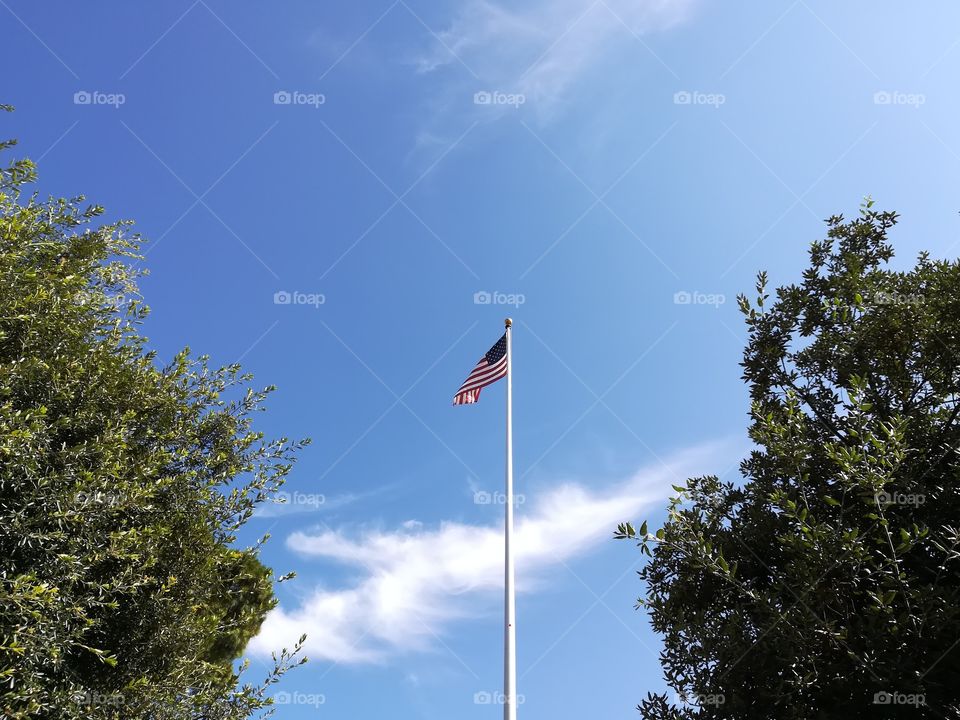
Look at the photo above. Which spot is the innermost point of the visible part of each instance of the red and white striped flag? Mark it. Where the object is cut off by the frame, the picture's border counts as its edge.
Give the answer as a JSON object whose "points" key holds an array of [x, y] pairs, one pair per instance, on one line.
{"points": [[491, 368]]}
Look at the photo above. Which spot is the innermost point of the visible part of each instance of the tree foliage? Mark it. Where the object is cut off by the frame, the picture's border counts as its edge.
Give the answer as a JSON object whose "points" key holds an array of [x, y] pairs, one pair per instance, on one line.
{"points": [[826, 584], [123, 483]]}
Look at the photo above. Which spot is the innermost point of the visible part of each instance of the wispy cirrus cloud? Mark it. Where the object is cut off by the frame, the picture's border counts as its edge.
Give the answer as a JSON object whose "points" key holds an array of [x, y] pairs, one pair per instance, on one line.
{"points": [[414, 582], [543, 49]]}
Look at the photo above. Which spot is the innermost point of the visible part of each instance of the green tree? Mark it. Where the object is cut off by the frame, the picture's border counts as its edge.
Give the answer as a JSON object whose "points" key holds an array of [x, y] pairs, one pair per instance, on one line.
{"points": [[826, 584], [123, 483]]}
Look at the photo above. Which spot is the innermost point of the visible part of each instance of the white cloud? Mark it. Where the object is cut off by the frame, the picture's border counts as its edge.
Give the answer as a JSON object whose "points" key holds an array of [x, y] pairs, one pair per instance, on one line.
{"points": [[544, 48], [415, 581]]}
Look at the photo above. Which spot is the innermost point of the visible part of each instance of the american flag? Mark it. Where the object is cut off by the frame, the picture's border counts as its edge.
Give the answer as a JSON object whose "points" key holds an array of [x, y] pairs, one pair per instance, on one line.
{"points": [[491, 368]]}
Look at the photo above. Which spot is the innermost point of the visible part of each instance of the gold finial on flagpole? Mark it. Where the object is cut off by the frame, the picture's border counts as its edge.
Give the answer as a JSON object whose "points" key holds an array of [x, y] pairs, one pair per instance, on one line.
{"points": [[508, 322]]}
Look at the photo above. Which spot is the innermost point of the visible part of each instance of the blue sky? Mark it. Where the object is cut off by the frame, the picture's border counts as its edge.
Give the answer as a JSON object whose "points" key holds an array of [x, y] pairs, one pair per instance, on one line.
{"points": [[597, 164]]}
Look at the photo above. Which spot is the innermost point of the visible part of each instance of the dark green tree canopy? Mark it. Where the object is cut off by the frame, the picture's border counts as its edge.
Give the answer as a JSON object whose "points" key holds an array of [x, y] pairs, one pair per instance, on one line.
{"points": [[827, 583], [122, 485]]}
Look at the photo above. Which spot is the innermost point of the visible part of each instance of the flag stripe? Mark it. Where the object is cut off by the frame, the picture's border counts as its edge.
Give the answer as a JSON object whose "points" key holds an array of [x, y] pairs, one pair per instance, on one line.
{"points": [[490, 374], [484, 371], [483, 383]]}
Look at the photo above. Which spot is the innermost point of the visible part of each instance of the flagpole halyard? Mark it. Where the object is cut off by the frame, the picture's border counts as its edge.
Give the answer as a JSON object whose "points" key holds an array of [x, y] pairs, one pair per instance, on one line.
{"points": [[510, 636]]}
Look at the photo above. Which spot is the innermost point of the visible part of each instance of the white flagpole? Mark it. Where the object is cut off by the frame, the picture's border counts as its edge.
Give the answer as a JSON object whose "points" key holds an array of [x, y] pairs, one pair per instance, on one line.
{"points": [[510, 610]]}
